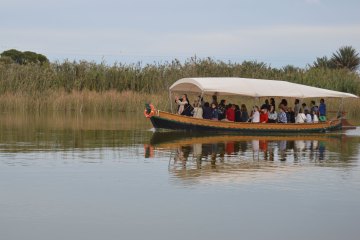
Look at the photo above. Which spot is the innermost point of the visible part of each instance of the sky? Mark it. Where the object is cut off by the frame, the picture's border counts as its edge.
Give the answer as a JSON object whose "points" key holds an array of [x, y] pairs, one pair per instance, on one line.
{"points": [[276, 32]]}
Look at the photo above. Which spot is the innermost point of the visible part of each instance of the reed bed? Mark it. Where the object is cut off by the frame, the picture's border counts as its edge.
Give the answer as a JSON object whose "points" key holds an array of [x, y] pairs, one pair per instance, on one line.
{"points": [[91, 87]]}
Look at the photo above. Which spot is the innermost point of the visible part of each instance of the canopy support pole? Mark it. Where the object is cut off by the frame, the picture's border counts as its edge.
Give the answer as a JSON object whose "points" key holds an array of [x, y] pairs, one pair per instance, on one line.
{"points": [[171, 107], [341, 108]]}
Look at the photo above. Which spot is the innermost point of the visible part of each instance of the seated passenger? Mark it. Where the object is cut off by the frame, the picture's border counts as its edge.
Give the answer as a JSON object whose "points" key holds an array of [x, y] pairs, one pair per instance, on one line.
{"points": [[315, 118], [207, 111], [264, 116], [272, 115], [214, 112], [198, 111], [244, 113], [237, 114], [255, 117], [300, 118], [308, 117], [282, 115], [230, 113]]}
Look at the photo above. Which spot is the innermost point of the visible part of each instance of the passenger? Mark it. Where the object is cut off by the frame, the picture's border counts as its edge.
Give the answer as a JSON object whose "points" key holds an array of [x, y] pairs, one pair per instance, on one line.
{"points": [[297, 107], [187, 108], [181, 103], [255, 117], [272, 102], [214, 100], [314, 108], [198, 111], [237, 113], [315, 118], [304, 107], [282, 115], [207, 111], [244, 113], [322, 108], [272, 115], [308, 116], [230, 113], [222, 109], [283, 104], [214, 112], [300, 118], [266, 105], [291, 115], [264, 116]]}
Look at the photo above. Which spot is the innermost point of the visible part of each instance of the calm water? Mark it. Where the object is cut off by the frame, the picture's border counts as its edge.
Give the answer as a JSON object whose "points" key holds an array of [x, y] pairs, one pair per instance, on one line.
{"points": [[110, 177]]}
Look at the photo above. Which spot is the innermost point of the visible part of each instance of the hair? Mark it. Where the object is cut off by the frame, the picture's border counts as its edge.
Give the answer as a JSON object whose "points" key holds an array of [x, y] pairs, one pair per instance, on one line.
{"points": [[207, 104], [243, 108], [297, 101], [322, 100]]}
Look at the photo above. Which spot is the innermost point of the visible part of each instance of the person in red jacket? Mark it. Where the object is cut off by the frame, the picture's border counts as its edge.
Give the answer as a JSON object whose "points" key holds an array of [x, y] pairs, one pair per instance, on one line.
{"points": [[264, 116], [230, 113]]}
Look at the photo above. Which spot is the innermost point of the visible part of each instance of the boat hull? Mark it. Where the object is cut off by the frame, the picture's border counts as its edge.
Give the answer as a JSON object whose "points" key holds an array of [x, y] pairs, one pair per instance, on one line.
{"points": [[164, 120]]}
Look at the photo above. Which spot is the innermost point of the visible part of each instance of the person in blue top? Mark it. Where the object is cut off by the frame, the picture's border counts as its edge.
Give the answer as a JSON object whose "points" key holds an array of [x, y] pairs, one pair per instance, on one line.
{"points": [[214, 112], [322, 110]]}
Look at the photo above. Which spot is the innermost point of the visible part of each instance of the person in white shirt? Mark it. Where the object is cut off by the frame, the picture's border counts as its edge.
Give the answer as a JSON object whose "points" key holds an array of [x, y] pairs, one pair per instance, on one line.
{"points": [[315, 117], [308, 117], [300, 118], [255, 118], [198, 111]]}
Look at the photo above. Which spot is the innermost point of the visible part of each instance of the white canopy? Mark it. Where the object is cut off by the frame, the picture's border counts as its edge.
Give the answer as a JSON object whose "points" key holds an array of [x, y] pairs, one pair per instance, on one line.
{"points": [[252, 88]]}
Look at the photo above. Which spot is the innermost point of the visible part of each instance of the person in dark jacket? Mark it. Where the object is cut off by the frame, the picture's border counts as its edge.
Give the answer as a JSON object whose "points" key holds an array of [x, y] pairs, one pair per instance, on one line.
{"points": [[237, 113], [207, 111]]}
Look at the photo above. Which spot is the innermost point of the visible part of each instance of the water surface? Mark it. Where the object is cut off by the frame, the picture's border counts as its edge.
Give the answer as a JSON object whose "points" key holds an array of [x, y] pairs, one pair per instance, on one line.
{"points": [[109, 177]]}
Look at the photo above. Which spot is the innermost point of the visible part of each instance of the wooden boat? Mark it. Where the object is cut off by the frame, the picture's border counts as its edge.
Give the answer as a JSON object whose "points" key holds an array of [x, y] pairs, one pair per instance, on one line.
{"points": [[245, 87]]}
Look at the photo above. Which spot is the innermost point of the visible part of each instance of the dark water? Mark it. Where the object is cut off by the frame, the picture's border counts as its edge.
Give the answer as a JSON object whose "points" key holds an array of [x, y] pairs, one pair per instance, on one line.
{"points": [[110, 177]]}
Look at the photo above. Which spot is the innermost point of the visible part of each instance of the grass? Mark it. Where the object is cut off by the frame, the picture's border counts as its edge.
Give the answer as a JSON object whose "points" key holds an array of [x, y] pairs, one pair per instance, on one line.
{"points": [[90, 87]]}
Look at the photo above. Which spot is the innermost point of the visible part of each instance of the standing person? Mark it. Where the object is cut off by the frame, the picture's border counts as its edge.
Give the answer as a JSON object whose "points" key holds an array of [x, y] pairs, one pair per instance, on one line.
{"points": [[301, 117], [314, 108], [237, 113], [322, 110], [214, 100], [272, 102], [266, 105], [181, 103], [230, 113], [297, 107], [244, 113], [222, 109]]}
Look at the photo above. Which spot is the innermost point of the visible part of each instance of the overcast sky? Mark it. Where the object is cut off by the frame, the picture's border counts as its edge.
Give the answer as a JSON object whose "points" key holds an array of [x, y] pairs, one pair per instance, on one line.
{"points": [[277, 32]]}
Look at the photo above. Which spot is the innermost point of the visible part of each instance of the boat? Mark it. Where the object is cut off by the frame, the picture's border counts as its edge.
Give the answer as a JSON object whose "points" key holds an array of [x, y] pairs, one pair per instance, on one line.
{"points": [[248, 87]]}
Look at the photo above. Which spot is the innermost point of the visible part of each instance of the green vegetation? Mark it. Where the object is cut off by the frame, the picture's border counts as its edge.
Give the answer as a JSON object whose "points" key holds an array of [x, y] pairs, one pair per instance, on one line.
{"points": [[88, 86], [15, 56], [344, 58]]}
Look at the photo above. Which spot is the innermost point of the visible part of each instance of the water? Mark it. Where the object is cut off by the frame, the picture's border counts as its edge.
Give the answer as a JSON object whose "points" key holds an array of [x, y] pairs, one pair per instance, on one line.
{"points": [[110, 177]]}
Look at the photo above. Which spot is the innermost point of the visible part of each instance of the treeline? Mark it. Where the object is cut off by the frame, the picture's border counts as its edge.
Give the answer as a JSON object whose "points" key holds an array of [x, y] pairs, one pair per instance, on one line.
{"points": [[154, 78]]}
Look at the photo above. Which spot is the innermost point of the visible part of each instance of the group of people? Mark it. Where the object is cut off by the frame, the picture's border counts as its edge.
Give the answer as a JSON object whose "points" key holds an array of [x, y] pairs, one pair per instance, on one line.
{"points": [[267, 113]]}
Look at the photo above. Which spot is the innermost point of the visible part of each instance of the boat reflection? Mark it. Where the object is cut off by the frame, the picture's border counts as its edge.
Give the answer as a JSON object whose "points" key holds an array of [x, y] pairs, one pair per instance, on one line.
{"points": [[198, 156]]}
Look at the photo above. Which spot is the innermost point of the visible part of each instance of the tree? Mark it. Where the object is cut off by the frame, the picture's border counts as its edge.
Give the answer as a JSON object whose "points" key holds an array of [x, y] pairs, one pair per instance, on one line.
{"points": [[346, 57], [24, 57], [323, 62]]}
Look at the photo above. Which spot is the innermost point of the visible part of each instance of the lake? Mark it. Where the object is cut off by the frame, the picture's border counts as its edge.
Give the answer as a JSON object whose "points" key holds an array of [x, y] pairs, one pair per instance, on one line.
{"points": [[109, 176]]}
